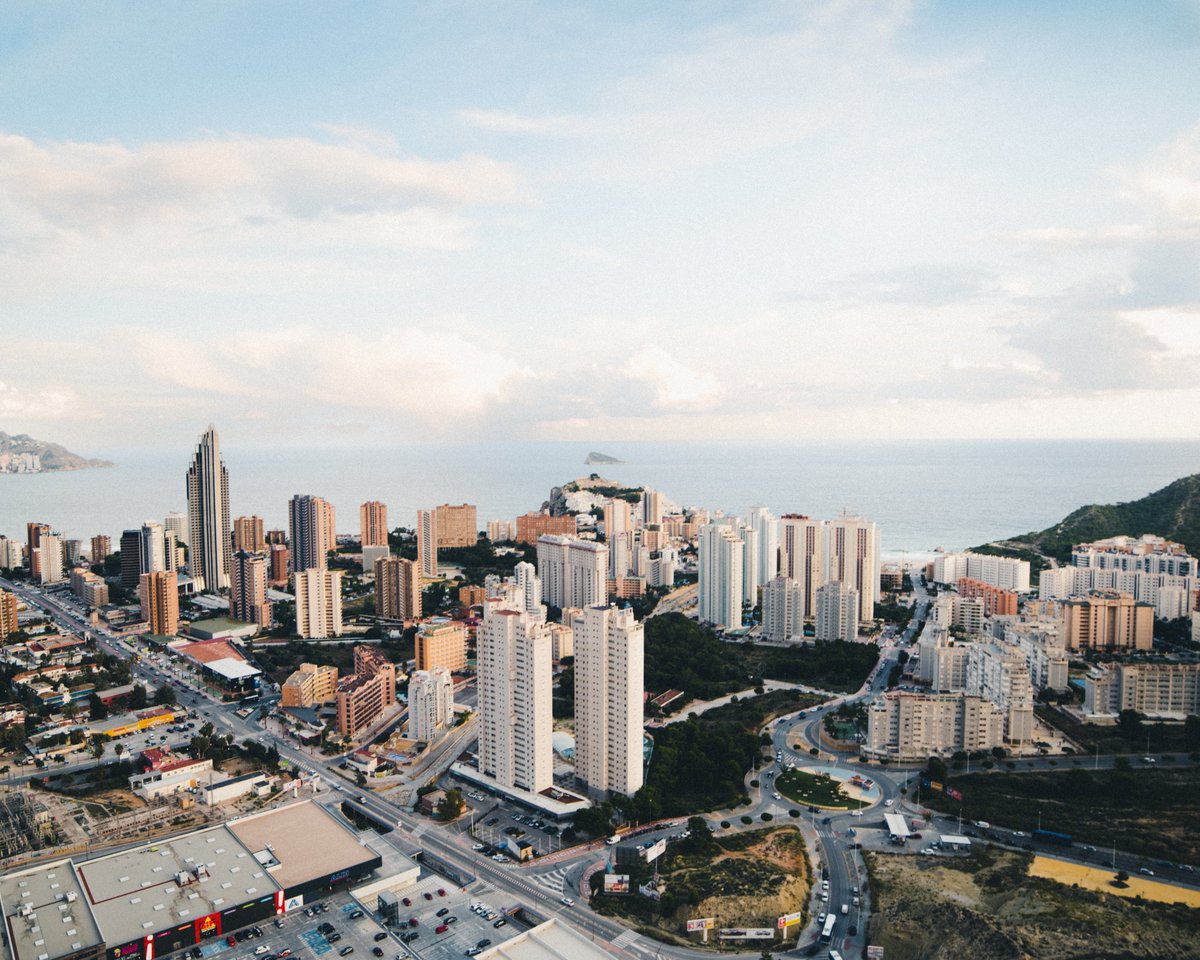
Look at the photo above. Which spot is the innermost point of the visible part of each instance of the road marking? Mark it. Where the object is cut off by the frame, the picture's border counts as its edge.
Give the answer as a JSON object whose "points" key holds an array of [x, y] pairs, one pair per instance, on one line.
{"points": [[627, 939]]}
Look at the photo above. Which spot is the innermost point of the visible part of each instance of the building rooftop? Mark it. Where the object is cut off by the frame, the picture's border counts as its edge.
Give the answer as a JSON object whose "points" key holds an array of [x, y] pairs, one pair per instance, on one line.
{"points": [[58, 920], [548, 941], [293, 833], [171, 881]]}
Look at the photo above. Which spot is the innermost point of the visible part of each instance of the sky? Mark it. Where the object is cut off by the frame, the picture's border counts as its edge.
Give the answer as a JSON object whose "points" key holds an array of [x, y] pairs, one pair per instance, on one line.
{"points": [[361, 224]]}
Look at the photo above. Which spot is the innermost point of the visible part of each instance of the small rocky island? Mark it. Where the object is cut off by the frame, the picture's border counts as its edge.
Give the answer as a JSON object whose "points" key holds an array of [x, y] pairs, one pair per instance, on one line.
{"points": [[595, 457]]}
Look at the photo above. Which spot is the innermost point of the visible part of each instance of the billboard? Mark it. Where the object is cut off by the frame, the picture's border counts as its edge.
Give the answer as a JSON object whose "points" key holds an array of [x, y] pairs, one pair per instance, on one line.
{"points": [[788, 919], [747, 933], [705, 923], [654, 851], [616, 883]]}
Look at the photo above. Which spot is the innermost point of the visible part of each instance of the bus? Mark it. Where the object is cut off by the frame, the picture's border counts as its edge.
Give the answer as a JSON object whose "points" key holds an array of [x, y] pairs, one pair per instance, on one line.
{"points": [[827, 930]]}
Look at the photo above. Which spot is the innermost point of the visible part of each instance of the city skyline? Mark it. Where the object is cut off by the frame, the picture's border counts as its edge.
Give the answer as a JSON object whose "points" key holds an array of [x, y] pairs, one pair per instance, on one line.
{"points": [[982, 218]]}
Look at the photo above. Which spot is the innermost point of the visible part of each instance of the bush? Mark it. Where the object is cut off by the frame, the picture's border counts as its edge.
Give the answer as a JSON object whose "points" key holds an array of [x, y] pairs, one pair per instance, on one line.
{"points": [[747, 820], [793, 812], [767, 818], [724, 824]]}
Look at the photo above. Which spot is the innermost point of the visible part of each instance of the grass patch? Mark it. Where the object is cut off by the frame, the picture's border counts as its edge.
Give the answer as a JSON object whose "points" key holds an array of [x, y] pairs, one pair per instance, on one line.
{"points": [[812, 789]]}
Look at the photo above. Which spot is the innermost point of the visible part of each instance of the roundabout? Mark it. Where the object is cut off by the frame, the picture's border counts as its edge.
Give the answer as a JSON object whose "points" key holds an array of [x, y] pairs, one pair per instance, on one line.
{"points": [[829, 788]]}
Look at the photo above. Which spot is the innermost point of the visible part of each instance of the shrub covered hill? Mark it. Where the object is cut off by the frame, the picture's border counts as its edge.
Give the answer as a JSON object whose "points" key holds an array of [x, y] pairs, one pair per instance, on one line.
{"points": [[1172, 512]]}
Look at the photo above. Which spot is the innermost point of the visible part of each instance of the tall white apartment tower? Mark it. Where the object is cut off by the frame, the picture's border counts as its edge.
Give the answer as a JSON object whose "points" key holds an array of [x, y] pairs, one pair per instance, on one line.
{"points": [[802, 556], [531, 585], [211, 551], [152, 548], [51, 557], [618, 532], [767, 528], [750, 557], [652, 507], [853, 559], [837, 612], [318, 603], [516, 723], [609, 681], [427, 539], [574, 573], [720, 564], [430, 703], [782, 611], [177, 523]]}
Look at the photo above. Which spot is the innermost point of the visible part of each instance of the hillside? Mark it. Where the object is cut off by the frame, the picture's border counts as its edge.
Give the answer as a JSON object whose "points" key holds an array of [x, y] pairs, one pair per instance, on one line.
{"points": [[1172, 512], [52, 457]]}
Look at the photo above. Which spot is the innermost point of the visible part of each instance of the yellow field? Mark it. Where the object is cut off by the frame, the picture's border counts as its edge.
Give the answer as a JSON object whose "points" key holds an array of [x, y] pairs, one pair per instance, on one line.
{"points": [[1096, 878]]}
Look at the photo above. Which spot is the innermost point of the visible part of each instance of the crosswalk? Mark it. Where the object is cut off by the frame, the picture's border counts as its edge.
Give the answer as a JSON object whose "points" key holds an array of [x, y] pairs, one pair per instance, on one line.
{"points": [[552, 880], [627, 939]]}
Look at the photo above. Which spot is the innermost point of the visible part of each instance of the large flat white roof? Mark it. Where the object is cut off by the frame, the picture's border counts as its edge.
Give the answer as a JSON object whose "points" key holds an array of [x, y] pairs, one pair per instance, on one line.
{"points": [[551, 940], [46, 913]]}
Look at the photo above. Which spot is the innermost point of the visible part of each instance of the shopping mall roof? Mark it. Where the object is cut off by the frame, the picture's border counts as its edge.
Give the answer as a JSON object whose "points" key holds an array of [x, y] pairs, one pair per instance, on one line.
{"points": [[46, 913]]}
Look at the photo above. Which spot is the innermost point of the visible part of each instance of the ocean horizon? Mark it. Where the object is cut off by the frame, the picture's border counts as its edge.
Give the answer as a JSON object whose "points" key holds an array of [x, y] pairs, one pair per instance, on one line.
{"points": [[923, 494]]}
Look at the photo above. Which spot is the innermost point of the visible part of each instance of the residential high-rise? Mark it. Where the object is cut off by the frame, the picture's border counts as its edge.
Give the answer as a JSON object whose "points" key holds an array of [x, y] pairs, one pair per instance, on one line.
{"points": [[430, 704], [574, 573], [531, 527], [208, 541], [442, 645], [531, 584], [131, 558], [279, 537], [177, 523], [279, 558], [499, 531], [802, 556], [1003, 572], [999, 672], [782, 611], [33, 538], [609, 647], [721, 554], [365, 695], [11, 554], [158, 592], [152, 555], [767, 527], [248, 589], [1107, 620], [8, 614], [427, 543], [310, 531], [249, 534], [373, 524], [913, 726], [457, 525], [837, 612], [515, 703], [618, 534], [50, 559], [397, 589], [750, 557], [72, 553], [319, 603], [854, 560], [652, 507]]}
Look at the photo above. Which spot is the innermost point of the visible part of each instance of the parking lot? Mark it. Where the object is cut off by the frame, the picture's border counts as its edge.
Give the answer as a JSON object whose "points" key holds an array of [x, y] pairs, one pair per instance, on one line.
{"points": [[503, 823], [462, 934]]}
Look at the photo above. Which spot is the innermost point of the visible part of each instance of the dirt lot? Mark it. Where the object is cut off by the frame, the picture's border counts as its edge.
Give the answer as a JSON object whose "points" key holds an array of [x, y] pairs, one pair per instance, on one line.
{"points": [[986, 905]]}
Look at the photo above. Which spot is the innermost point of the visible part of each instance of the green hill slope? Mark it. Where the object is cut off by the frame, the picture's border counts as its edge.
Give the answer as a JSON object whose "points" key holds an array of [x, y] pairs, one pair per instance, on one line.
{"points": [[1172, 512]]}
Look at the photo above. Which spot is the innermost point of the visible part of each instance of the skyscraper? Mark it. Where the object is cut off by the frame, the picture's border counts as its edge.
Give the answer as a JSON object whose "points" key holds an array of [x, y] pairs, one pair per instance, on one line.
{"points": [[8, 614], [574, 573], [101, 547], [837, 612], [33, 538], [131, 558], [248, 534], [457, 526], [721, 552], [177, 523], [618, 533], [609, 649], [158, 592], [430, 703], [152, 557], [854, 559], [248, 589], [531, 584], [397, 589], [319, 603], [208, 516], [50, 559], [373, 522], [311, 533], [427, 543], [767, 526], [515, 705], [782, 611], [802, 557]]}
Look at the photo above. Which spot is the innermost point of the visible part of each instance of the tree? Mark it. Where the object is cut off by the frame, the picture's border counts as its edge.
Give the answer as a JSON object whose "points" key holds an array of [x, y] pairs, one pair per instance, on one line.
{"points": [[118, 749], [451, 806], [137, 697], [1129, 724], [1191, 732], [96, 745], [96, 708]]}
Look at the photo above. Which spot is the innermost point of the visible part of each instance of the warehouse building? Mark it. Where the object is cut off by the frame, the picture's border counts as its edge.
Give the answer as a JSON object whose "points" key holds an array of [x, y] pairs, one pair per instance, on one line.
{"points": [[180, 891]]}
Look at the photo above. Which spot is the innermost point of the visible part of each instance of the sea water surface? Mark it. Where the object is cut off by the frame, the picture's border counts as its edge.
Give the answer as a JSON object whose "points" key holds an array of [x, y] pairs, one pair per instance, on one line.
{"points": [[923, 494]]}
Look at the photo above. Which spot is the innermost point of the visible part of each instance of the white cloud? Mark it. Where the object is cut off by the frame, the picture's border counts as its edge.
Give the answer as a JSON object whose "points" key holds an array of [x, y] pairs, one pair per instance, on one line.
{"points": [[1169, 182]]}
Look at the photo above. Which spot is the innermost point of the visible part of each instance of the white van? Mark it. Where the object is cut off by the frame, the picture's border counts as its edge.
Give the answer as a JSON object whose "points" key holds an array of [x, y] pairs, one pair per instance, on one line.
{"points": [[845, 909]]}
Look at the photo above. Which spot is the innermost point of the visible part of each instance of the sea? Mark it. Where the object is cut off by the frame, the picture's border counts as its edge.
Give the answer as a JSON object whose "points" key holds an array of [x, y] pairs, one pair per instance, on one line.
{"points": [[924, 495]]}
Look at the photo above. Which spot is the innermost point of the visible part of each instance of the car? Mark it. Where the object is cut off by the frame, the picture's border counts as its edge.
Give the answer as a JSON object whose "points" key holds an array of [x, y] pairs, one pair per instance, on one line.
{"points": [[325, 927], [477, 846], [285, 952], [231, 940], [406, 902], [261, 949], [566, 901], [441, 928], [443, 911], [355, 914], [856, 813], [1149, 760], [197, 953], [333, 937], [412, 922], [1146, 872], [278, 924], [889, 802], [485, 942], [345, 951], [452, 919], [776, 796], [428, 895], [380, 936], [377, 951], [441, 892], [1188, 867], [492, 822], [1019, 833], [499, 923]]}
